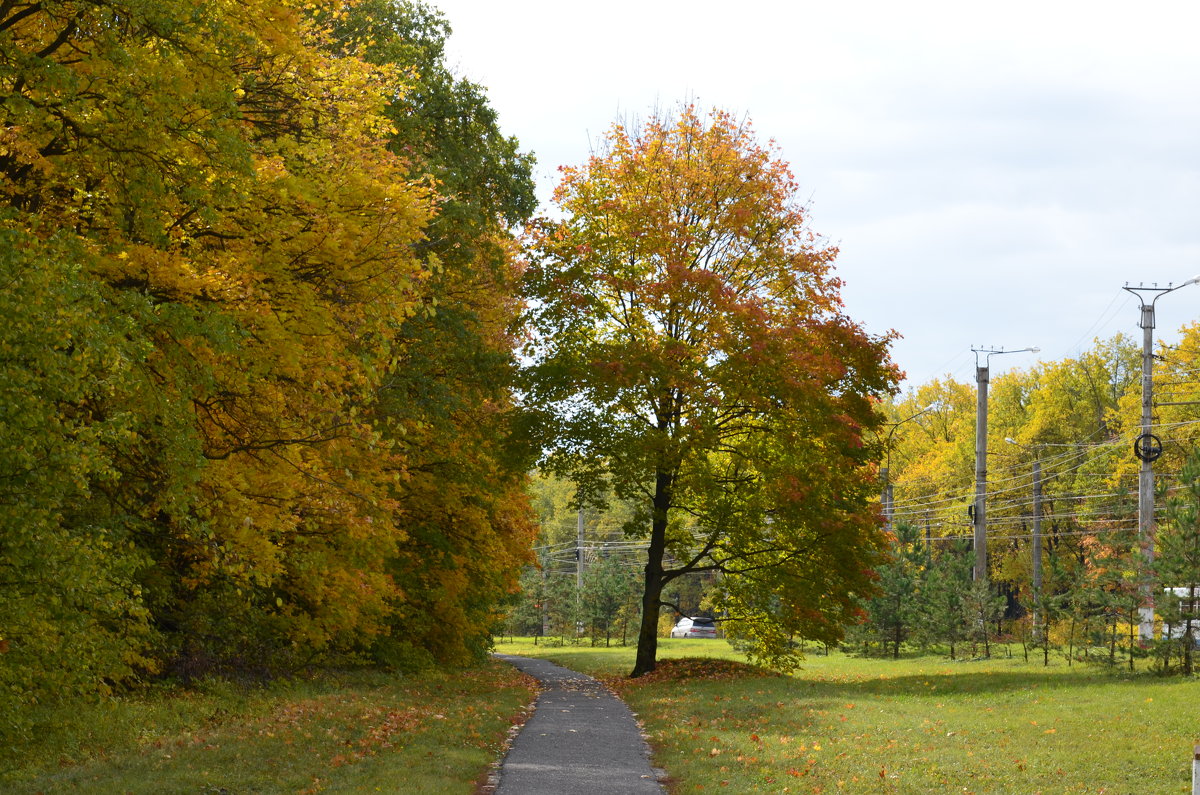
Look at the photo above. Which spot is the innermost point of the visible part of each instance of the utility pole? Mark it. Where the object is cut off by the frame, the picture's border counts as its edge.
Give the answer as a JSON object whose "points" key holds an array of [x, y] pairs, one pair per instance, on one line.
{"points": [[1037, 548], [884, 497], [1148, 447], [979, 514], [928, 542], [579, 554]]}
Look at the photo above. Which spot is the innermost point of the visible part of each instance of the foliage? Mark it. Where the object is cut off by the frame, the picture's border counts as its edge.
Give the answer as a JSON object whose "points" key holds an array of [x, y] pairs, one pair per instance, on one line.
{"points": [[445, 402], [608, 599], [942, 605], [69, 590], [256, 358], [1177, 565], [1076, 418], [894, 610], [689, 352]]}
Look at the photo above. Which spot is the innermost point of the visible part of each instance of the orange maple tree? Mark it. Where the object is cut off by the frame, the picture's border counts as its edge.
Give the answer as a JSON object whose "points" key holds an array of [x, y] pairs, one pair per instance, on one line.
{"points": [[689, 350]]}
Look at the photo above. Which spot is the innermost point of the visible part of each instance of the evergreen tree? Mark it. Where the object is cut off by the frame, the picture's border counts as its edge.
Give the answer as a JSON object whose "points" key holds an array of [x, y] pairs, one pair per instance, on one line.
{"points": [[894, 610], [942, 607], [1178, 560]]}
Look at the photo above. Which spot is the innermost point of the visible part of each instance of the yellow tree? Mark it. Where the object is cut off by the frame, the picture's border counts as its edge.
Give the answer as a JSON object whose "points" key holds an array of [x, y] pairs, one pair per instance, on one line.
{"points": [[226, 181], [446, 400]]}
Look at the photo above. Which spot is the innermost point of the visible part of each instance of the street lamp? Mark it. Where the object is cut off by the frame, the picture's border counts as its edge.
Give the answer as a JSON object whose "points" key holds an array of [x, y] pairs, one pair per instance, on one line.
{"points": [[1148, 447], [886, 497], [1037, 533], [979, 514]]}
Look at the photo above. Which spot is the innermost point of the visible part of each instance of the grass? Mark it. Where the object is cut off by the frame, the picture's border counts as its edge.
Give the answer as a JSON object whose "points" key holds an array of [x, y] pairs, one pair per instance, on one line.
{"points": [[354, 732], [914, 725]]}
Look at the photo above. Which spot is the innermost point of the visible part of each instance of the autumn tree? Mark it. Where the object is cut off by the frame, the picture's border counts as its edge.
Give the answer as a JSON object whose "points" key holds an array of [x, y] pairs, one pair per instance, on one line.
{"points": [[445, 401], [273, 425], [688, 349]]}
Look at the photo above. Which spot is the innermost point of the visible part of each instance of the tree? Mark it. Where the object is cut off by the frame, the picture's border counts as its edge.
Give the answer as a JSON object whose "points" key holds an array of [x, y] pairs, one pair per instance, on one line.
{"points": [[1177, 563], [218, 188], [982, 607], [445, 404], [275, 423], [689, 351], [942, 606], [608, 586], [894, 609]]}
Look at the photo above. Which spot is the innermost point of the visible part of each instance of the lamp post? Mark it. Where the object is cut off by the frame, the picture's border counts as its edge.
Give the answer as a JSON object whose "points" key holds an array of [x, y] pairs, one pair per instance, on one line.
{"points": [[1148, 447], [979, 514], [886, 496], [1037, 534]]}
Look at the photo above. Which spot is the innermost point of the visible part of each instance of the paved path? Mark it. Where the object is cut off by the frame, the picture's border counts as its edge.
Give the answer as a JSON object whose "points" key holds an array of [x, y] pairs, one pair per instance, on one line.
{"points": [[582, 739]]}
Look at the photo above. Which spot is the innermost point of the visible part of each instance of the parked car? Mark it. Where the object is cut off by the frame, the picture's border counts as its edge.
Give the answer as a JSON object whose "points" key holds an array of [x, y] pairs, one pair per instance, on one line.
{"points": [[694, 627]]}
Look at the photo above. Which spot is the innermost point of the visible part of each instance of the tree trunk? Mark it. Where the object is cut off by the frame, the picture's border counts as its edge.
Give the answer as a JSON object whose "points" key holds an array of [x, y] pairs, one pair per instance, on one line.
{"points": [[1112, 643], [647, 649], [1071, 645], [1188, 643], [1132, 619], [1188, 640]]}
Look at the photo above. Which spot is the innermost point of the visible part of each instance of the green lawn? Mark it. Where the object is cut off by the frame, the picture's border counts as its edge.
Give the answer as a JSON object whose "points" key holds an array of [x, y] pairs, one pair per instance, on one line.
{"points": [[914, 725], [355, 732]]}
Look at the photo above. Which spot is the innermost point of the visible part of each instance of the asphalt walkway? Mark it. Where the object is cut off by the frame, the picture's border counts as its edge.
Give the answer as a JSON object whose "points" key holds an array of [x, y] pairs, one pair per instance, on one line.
{"points": [[581, 739]]}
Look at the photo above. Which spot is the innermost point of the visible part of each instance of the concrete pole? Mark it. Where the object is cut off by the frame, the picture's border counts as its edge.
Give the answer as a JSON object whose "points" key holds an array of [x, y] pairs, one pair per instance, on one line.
{"points": [[579, 553], [1037, 547], [980, 539], [1196, 770], [928, 542], [884, 494], [1146, 528], [891, 508]]}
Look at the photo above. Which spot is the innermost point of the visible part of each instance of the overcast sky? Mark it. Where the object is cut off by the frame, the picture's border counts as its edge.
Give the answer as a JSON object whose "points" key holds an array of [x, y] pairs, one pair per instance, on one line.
{"points": [[992, 174]]}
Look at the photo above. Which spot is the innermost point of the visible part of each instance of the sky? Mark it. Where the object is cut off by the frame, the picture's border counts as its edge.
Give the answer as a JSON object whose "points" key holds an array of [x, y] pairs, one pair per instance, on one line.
{"points": [[991, 174]]}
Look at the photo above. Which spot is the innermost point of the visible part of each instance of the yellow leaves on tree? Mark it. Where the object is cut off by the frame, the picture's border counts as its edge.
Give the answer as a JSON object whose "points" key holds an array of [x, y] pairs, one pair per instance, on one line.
{"points": [[250, 258]]}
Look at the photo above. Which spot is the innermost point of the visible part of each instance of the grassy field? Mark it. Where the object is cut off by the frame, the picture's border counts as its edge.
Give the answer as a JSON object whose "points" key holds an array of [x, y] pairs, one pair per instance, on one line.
{"points": [[914, 725], [357, 732]]}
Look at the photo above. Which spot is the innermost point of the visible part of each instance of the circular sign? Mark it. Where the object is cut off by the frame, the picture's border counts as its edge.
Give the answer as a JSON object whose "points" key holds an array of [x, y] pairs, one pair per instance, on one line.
{"points": [[1147, 447]]}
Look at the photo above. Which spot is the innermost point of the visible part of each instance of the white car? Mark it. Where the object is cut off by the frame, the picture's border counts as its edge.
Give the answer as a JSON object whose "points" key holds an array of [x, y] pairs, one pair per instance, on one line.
{"points": [[697, 627]]}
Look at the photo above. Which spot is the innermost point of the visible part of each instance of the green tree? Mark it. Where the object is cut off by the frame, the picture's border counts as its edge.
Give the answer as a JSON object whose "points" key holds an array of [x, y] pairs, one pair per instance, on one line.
{"points": [[72, 619], [609, 589], [943, 600], [1177, 563], [893, 610], [525, 613], [688, 351], [983, 608]]}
